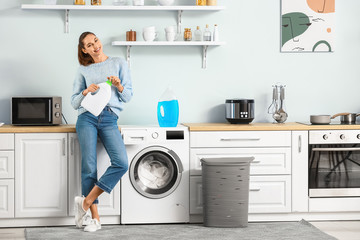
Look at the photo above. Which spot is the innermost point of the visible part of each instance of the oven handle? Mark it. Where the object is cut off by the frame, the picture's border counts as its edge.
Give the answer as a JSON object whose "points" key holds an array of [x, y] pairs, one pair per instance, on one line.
{"points": [[335, 149]]}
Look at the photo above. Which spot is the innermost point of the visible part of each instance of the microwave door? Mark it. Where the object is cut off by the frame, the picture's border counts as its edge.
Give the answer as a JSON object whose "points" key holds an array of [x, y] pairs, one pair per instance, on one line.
{"points": [[31, 111]]}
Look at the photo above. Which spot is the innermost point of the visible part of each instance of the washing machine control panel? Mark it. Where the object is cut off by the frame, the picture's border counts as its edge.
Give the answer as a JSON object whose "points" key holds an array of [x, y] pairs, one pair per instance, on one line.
{"points": [[155, 135]]}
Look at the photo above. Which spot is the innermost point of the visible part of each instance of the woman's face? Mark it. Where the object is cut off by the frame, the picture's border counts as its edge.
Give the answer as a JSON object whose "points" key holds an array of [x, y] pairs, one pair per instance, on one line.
{"points": [[92, 46]]}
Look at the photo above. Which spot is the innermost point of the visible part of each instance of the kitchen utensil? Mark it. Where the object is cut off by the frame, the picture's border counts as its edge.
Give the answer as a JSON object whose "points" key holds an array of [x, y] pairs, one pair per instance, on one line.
{"points": [[282, 114], [322, 119], [347, 117], [239, 110]]}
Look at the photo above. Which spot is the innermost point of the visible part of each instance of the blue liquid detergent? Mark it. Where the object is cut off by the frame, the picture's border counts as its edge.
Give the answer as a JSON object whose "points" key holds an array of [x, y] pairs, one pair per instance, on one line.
{"points": [[168, 113]]}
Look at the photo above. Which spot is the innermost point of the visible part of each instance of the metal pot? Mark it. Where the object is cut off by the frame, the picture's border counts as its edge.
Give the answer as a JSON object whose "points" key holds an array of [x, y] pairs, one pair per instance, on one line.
{"points": [[348, 117]]}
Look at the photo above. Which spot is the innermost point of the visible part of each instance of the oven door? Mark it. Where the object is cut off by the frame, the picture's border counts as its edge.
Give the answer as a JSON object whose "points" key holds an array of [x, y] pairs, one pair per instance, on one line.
{"points": [[31, 111], [334, 170]]}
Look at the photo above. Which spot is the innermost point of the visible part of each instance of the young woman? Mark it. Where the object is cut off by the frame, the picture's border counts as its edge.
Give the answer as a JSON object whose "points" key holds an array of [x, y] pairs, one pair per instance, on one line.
{"points": [[96, 67]]}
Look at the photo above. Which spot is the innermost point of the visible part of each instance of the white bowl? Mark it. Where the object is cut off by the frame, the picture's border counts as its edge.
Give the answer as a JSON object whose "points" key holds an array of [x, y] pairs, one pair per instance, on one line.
{"points": [[166, 2]]}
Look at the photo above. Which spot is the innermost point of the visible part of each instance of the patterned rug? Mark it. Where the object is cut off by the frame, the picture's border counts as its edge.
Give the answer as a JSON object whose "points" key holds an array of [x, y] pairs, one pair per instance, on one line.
{"points": [[255, 231]]}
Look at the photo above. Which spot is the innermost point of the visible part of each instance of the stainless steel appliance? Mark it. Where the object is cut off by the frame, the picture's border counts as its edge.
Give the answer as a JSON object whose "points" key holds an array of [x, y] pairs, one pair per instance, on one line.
{"points": [[36, 110], [334, 163], [240, 110]]}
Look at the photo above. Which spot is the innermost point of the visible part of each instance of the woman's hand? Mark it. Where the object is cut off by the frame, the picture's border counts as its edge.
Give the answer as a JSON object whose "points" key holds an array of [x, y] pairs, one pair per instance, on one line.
{"points": [[92, 88], [116, 82]]}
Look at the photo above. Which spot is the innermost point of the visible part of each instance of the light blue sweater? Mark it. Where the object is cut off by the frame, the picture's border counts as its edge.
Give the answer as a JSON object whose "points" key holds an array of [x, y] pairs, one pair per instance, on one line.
{"points": [[98, 73]]}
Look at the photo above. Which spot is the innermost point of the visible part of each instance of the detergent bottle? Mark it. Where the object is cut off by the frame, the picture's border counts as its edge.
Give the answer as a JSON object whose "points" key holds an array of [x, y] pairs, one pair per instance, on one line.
{"points": [[168, 109], [95, 102]]}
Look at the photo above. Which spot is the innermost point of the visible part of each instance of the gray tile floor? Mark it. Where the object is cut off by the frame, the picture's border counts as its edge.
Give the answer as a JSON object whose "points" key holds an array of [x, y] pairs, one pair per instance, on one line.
{"points": [[342, 230]]}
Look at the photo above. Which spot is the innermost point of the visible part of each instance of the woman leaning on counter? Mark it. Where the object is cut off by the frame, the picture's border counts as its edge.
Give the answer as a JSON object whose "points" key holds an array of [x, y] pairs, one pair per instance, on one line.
{"points": [[96, 67]]}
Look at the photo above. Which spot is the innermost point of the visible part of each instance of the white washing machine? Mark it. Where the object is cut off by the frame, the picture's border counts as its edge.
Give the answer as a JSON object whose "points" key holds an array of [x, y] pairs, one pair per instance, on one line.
{"points": [[156, 187]]}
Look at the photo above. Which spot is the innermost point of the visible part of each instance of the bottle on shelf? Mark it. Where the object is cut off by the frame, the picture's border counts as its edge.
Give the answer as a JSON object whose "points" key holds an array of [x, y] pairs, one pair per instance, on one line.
{"points": [[79, 2], [187, 34], [201, 2], [216, 33], [95, 2], [198, 34], [207, 34], [211, 2]]}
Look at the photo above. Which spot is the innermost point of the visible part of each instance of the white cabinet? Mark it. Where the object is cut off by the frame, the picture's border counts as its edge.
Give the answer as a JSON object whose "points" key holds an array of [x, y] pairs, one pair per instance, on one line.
{"points": [[41, 175], [270, 172], [6, 198], [109, 204], [299, 196], [7, 175]]}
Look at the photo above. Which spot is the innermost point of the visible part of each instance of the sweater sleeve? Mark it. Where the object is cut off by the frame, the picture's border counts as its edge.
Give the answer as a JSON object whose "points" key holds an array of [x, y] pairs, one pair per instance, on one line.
{"points": [[125, 78], [78, 87]]}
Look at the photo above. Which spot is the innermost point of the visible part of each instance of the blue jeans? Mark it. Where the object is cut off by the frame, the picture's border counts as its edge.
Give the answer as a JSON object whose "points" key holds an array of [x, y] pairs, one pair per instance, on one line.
{"points": [[104, 126]]}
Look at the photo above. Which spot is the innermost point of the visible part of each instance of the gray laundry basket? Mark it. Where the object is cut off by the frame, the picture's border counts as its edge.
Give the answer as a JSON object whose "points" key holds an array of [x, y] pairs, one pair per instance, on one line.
{"points": [[225, 184]]}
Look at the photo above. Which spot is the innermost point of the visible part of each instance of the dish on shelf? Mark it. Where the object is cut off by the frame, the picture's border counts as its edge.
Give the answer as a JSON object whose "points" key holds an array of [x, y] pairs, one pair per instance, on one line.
{"points": [[166, 2]]}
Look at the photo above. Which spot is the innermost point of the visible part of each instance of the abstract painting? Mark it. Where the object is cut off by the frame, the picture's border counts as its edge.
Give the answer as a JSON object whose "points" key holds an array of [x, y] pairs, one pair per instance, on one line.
{"points": [[307, 25]]}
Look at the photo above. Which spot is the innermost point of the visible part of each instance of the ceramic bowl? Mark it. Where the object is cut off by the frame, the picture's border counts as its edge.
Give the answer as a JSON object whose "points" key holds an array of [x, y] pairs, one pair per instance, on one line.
{"points": [[166, 2]]}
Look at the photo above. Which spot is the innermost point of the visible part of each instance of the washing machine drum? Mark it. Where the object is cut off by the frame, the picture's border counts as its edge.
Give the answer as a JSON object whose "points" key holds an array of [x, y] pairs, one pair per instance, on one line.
{"points": [[155, 172]]}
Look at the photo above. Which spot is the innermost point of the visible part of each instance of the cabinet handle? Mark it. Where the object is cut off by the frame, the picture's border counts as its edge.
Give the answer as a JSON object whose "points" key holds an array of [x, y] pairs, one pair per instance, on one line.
{"points": [[299, 144], [255, 162], [239, 139], [72, 143], [63, 146], [254, 189]]}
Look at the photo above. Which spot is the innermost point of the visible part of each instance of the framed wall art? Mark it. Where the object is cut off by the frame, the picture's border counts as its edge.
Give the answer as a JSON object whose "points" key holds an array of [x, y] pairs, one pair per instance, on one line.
{"points": [[307, 25]]}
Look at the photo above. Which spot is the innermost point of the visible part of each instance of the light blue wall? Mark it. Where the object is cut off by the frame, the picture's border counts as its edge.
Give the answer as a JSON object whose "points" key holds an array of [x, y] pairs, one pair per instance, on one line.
{"points": [[38, 58]]}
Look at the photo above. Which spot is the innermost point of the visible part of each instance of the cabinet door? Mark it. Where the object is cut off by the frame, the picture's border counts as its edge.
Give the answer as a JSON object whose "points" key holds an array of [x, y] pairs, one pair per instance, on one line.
{"points": [[300, 199], [6, 164], [7, 198], [41, 175], [109, 204]]}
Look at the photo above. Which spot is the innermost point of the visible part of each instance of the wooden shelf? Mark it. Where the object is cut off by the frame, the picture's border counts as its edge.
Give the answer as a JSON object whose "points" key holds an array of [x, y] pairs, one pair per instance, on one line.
{"points": [[204, 44]]}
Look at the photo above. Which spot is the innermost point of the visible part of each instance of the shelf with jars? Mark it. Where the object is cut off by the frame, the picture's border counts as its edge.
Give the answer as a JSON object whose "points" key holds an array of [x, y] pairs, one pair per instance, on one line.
{"points": [[203, 44], [79, 7]]}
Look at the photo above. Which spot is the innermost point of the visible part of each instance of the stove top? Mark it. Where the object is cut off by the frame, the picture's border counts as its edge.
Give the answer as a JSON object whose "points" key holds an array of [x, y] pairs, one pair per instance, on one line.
{"points": [[332, 123]]}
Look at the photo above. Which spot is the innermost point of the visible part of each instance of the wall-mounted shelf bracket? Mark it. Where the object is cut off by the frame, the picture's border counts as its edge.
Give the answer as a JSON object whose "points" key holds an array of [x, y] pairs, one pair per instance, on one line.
{"points": [[67, 20], [128, 54], [179, 21], [205, 48]]}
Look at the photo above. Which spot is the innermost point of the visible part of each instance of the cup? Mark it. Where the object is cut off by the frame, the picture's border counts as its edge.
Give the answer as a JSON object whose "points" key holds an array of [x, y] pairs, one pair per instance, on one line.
{"points": [[149, 36], [171, 36], [149, 29], [170, 29], [138, 2]]}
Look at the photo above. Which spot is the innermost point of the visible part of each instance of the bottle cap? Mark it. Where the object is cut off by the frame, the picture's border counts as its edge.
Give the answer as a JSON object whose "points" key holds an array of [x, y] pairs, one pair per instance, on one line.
{"points": [[108, 82]]}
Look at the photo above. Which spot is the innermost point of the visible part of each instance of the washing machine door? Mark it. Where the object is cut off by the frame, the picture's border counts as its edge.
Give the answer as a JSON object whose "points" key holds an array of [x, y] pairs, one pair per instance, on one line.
{"points": [[155, 172]]}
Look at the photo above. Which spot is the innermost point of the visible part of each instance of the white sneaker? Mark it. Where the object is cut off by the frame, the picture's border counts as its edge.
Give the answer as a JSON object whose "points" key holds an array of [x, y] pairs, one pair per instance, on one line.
{"points": [[93, 226], [79, 211]]}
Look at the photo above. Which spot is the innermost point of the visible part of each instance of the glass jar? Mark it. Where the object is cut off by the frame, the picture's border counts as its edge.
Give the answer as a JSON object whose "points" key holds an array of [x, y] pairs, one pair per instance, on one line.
{"points": [[201, 2], [95, 2], [187, 34], [79, 2], [211, 2]]}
